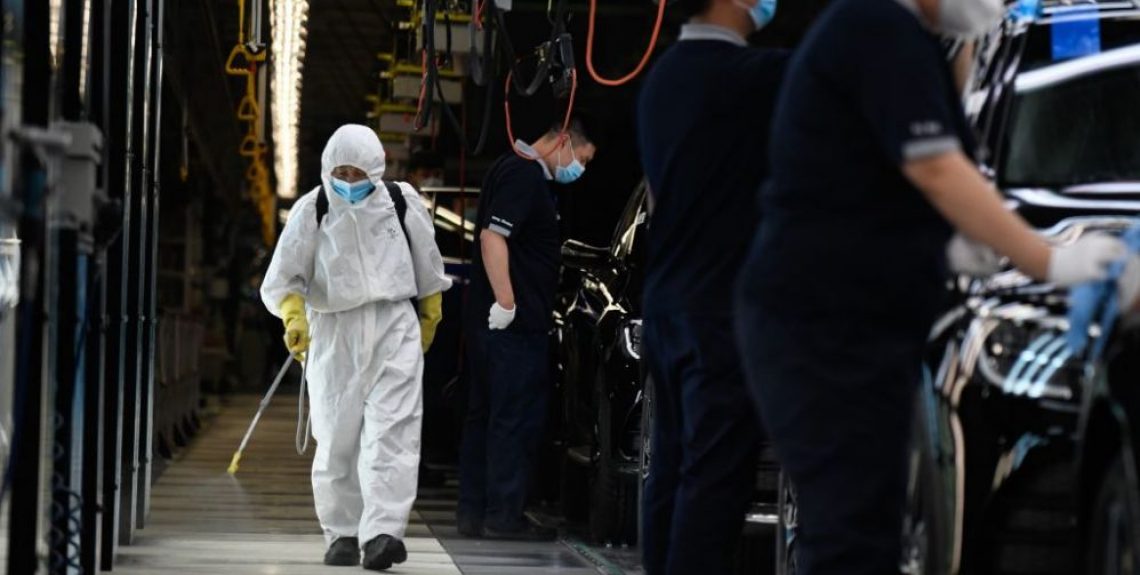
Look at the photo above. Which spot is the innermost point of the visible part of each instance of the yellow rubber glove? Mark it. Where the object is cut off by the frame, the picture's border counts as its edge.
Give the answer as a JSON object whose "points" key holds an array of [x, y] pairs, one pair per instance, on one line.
{"points": [[296, 326], [431, 313]]}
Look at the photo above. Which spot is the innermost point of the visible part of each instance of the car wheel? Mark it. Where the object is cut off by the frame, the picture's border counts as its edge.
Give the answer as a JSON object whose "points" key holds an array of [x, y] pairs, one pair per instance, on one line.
{"points": [[786, 528], [613, 495], [1113, 526]]}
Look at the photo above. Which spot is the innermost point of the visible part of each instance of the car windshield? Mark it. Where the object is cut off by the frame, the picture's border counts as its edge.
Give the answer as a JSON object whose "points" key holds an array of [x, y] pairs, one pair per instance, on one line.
{"points": [[626, 232], [1072, 129]]}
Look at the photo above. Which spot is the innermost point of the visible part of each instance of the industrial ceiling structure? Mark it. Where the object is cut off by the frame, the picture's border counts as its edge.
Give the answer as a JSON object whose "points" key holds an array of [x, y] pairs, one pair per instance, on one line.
{"points": [[332, 62]]}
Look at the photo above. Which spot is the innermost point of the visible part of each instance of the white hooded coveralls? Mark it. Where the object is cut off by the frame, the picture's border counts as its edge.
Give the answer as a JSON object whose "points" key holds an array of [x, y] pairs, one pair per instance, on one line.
{"points": [[365, 358]]}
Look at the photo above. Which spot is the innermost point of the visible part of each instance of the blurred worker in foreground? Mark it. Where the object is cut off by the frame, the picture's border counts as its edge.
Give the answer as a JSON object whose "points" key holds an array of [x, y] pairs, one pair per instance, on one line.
{"points": [[703, 121], [510, 305], [873, 173], [344, 255]]}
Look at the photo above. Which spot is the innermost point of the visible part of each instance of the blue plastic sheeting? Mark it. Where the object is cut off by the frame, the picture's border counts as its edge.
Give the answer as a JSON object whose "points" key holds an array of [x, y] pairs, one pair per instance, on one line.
{"points": [[1076, 32], [1026, 9]]}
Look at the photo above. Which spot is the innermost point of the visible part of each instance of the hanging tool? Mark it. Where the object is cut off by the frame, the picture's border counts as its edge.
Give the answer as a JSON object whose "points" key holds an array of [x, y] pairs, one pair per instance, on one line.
{"points": [[246, 60]]}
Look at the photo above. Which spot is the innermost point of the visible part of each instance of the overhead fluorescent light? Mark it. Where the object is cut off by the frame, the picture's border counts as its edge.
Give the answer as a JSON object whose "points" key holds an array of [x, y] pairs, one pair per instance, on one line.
{"points": [[287, 56]]}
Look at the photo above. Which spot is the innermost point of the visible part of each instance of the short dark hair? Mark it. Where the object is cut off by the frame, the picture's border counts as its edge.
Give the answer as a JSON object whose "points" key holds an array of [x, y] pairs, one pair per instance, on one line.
{"points": [[425, 160], [576, 129]]}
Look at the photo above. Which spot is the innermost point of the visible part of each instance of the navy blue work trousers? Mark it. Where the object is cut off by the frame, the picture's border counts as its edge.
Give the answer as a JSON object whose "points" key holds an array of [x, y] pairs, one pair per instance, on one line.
{"points": [[705, 447], [509, 388], [837, 398]]}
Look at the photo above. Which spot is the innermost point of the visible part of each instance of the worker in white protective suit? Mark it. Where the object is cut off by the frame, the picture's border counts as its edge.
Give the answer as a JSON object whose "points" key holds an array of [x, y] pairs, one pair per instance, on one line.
{"points": [[343, 266]]}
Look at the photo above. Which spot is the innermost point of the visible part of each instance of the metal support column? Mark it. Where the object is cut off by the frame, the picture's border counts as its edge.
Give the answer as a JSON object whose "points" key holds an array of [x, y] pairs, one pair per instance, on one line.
{"points": [[29, 26], [73, 222], [149, 255], [119, 43], [134, 228], [97, 348]]}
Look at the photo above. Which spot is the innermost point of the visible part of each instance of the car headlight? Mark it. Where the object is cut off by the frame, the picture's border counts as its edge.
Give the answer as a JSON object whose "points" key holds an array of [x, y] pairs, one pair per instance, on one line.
{"points": [[631, 339]]}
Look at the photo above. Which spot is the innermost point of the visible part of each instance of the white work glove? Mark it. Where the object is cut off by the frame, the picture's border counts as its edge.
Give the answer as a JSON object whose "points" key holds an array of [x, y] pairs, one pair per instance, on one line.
{"points": [[967, 257], [1085, 260], [1128, 285], [500, 317]]}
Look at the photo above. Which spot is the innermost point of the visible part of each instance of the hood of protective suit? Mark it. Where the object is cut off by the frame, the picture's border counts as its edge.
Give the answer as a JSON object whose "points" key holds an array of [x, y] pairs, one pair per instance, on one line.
{"points": [[357, 146]]}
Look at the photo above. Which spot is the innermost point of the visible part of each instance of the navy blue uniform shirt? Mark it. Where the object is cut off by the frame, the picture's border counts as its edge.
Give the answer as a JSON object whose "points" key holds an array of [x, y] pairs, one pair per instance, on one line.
{"points": [[516, 201], [703, 121], [844, 234]]}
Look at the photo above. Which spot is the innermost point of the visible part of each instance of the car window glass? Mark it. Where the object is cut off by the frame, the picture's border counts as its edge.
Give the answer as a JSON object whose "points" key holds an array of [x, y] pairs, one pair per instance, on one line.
{"points": [[1084, 130], [629, 224]]}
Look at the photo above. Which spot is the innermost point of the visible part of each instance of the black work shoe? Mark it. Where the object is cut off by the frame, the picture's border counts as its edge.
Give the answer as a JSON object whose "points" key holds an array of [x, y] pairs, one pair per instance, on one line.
{"points": [[382, 552], [344, 552], [469, 528], [530, 532]]}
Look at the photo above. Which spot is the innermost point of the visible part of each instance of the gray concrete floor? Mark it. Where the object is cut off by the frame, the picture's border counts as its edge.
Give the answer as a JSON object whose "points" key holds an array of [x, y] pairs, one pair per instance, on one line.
{"points": [[261, 521]]}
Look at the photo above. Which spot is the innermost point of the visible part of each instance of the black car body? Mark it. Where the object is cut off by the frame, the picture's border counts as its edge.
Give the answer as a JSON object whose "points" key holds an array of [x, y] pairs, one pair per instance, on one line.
{"points": [[597, 338], [605, 403]]}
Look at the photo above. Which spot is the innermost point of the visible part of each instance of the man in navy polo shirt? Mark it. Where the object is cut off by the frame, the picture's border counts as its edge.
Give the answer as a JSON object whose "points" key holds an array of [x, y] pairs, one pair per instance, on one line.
{"points": [[703, 120], [873, 174], [510, 304]]}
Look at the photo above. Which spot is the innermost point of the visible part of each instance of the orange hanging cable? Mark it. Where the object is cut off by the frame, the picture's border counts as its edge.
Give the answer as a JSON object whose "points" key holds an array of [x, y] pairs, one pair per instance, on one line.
{"points": [[423, 90], [565, 122], [479, 14], [644, 58]]}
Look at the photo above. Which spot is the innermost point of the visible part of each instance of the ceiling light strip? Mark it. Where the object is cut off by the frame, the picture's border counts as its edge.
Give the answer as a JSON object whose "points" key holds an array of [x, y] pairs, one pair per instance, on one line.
{"points": [[288, 56]]}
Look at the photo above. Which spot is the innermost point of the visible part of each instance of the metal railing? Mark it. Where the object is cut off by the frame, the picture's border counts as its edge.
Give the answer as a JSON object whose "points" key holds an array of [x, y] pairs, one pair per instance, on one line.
{"points": [[179, 377]]}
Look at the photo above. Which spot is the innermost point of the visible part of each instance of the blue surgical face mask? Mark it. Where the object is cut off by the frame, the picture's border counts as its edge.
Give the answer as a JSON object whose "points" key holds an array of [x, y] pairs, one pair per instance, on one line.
{"points": [[569, 174], [353, 192], [762, 13]]}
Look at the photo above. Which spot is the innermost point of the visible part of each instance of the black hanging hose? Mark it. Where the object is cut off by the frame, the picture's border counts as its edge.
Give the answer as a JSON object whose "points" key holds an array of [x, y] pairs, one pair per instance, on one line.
{"points": [[482, 70], [488, 109], [513, 60], [433, 87], [482, 67]]}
